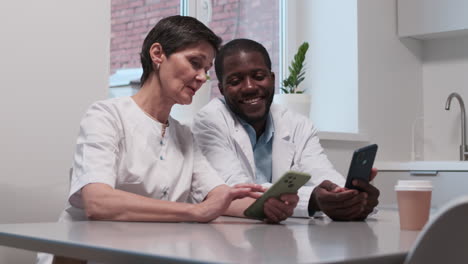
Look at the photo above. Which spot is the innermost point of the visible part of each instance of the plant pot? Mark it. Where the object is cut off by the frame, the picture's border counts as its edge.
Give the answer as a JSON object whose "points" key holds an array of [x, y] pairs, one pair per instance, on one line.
{"points": [[299, 103]]}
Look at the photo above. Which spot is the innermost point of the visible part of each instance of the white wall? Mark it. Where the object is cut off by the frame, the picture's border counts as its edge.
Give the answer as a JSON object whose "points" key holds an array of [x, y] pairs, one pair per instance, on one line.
{"points": [[390, 80], [330, 27], [445, 70], [390, 86], [399, 81], [54, 63], [403, 79]]}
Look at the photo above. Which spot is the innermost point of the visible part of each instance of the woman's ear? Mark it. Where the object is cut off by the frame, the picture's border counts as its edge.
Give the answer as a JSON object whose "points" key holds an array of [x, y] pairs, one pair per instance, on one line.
{"points": [[156, 53]]}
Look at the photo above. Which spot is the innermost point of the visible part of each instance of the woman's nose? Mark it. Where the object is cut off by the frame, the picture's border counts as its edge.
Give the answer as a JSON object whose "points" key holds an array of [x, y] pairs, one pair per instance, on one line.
{"points": [[202, 76]]}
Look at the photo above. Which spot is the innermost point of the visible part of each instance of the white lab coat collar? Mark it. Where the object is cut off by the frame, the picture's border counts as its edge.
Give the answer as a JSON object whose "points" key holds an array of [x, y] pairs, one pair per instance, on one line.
{"points": [[283, 149], [240, 136]]}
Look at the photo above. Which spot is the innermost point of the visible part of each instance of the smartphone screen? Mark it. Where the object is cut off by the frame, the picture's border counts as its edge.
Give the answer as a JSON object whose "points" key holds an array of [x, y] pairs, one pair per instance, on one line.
{"points": [[361, 165]]}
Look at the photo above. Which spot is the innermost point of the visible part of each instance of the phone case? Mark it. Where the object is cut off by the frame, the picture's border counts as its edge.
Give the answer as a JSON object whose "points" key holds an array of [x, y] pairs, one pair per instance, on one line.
{"points": [[290, 182], [361, 165]]}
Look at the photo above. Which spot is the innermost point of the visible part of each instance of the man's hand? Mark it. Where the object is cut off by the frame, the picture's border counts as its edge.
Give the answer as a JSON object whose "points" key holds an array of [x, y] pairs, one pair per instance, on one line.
{"points": [[372, 195], [345, 204], [280, 209], [336, 202]]}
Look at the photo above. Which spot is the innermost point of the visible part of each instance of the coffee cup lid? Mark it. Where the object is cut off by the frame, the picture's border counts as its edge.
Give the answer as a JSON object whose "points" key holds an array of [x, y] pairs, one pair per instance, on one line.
{"points": [[413, 185]]}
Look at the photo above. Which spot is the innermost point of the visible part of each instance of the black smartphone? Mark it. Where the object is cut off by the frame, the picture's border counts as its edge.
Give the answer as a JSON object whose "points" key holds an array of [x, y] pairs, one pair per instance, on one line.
{"points": [[361, 165]]}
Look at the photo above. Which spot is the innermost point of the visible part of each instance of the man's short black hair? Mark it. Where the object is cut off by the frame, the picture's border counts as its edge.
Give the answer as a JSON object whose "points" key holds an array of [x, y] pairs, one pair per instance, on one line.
{"points": [[175, 33], [236, 46]]}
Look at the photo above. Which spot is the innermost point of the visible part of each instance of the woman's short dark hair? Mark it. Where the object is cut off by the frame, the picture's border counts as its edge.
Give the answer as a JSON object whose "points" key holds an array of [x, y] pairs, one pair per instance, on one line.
{"points": [[175, 33], [235, 46]]}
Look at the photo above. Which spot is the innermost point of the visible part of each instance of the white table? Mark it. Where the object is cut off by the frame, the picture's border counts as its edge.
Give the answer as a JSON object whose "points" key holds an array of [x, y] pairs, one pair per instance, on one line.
{"points": [[226, 240]]}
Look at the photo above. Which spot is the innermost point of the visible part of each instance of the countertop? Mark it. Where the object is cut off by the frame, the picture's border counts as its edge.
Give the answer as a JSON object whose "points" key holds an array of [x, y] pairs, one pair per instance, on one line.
{"points": [[422, 165], [225, 240]]}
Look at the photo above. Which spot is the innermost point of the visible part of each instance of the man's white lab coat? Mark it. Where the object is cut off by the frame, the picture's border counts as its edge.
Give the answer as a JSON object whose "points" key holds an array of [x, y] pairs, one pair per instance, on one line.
{"points": [[225, 143]]}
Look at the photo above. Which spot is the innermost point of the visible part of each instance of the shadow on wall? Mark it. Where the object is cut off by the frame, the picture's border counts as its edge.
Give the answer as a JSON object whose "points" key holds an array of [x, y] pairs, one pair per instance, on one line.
{"points": [[448, 49], [414, 46]]}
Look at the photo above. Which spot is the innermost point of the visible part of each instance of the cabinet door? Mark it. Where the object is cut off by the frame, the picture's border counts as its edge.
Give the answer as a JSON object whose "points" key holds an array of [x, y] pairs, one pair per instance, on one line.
{"points": [[446, 186], [449, 185], [426, 19]]}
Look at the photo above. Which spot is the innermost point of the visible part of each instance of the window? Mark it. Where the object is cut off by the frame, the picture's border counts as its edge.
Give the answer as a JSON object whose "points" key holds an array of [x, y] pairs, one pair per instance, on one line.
{"points": [[330, 27], [258, 20], [132, 19]]}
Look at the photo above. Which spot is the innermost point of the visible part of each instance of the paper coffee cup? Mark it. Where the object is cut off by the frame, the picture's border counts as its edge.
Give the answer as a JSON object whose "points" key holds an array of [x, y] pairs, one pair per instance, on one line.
{"points": [[414, 203]]}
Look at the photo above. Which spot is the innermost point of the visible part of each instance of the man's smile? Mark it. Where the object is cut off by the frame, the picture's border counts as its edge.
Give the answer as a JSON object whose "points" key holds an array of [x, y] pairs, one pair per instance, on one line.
{"points": [[252, 100]]}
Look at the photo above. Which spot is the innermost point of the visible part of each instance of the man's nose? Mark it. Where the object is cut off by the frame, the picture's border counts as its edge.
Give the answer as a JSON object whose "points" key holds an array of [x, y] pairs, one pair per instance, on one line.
{"points": [[249, 83]]}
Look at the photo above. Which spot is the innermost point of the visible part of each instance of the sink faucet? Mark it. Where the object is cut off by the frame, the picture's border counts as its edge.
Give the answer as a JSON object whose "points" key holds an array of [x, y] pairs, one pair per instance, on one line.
{"points": [[463, 147]]}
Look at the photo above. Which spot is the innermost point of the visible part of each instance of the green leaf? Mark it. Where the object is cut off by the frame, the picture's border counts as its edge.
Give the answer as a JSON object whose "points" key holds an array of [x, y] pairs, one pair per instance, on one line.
{"points": [[296, 70]]}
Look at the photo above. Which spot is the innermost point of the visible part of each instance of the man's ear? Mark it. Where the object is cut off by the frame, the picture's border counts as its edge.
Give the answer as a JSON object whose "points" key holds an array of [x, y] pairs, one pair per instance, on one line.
{"points": [[273, 76], [156, 53], [220, 87]]}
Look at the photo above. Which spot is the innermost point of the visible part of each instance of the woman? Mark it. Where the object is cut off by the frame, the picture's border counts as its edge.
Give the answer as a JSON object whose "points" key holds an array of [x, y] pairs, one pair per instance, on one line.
{"points": [[133, 162]]}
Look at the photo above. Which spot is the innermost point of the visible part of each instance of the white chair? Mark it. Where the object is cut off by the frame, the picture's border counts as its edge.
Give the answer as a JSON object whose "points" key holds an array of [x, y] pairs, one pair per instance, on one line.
{"points": [[445, 238]]}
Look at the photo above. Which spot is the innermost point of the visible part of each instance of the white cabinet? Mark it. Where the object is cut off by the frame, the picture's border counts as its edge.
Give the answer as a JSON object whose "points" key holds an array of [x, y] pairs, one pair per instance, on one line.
{"points": [[426, 19], [447, 185]]}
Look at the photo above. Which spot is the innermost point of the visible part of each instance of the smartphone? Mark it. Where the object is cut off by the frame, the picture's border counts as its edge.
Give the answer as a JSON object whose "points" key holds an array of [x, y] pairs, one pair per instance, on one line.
{"points": [[361, 165], [290, 182]]}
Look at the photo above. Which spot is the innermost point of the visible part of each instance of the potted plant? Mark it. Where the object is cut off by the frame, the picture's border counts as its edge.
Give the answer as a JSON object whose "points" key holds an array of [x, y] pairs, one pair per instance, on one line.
{"points": [[291, 95]]}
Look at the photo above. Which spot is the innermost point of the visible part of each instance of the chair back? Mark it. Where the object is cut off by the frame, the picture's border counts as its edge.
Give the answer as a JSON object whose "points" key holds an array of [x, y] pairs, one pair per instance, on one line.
{"points": [[445, 238]]}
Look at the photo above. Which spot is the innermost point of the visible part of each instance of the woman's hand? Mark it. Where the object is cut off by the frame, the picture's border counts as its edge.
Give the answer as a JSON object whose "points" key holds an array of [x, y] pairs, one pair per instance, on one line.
{"points": [[218, 200]]}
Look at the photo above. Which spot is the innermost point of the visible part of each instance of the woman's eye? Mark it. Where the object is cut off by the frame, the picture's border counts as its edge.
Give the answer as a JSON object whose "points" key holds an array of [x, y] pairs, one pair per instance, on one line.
{"points": [[196, 64]]}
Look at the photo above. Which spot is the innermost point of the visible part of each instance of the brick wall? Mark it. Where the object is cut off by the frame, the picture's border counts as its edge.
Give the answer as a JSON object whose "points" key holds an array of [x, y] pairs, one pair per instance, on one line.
{"points": [[132, 20], [253, 19]]}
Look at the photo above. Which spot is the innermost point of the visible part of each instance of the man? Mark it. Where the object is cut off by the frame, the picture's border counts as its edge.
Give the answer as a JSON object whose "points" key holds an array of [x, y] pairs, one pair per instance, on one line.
{"points": [[247, 139]]}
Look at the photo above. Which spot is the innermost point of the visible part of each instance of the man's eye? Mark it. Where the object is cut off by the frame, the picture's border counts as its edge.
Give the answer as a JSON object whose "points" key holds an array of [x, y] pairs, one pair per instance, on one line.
{"points": [[234, 82], [259, 77]]}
